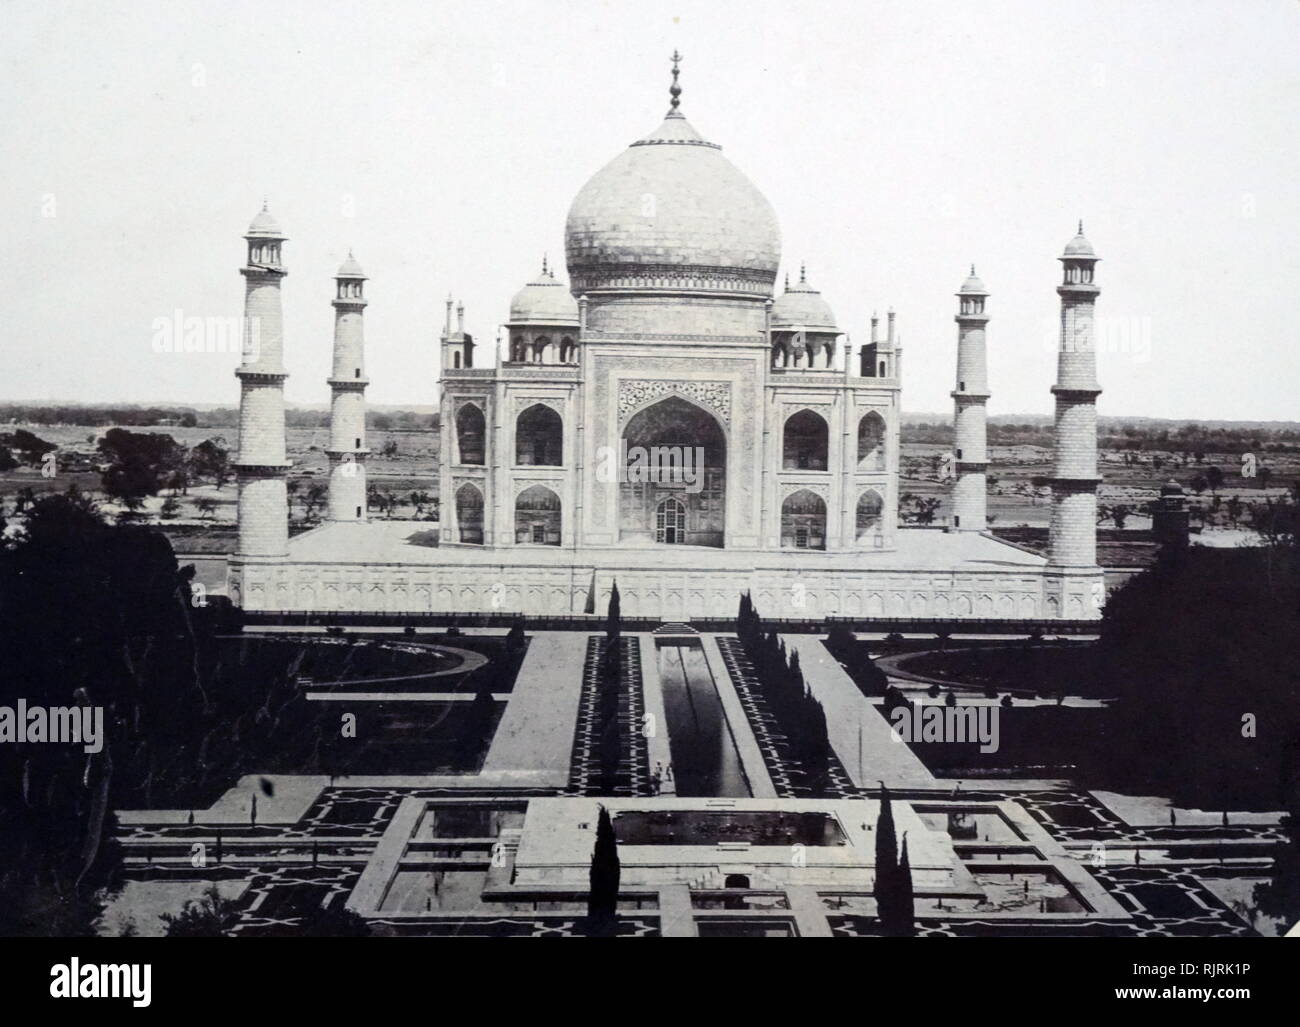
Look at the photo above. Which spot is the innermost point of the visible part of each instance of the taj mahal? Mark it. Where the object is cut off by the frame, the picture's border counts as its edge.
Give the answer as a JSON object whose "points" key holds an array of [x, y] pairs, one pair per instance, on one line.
{"points": [[669, 337]]}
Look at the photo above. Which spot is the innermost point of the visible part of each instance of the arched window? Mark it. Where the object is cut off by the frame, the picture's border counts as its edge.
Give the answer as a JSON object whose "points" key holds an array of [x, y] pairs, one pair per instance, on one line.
{"points": [[455, 359], [568, 352], [871, 442], [469, 514], [539, 437], [670, 522], [539, 348], [803, 521], [870, 508], [470, 433], [805, 442], [518, 349], [537, 517]]}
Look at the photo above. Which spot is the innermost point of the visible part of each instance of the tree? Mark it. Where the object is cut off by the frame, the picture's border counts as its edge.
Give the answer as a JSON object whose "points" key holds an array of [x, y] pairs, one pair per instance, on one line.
{"points": [[886, 861], [138, 463], [211, 459], [1199, 484], [1120, 515], [313, 499], [613, 618], [476, 734], [28, 447], [602, 899], [206, 506], [419, 500], [334, 921], [1234, 509], [1219, 624], [170, 508], [905, 909], [1214, 477], [210, 916]]}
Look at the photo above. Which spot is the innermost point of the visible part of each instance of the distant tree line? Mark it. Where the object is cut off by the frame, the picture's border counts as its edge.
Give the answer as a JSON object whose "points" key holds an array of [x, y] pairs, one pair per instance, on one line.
{"points": [[126, 416]]}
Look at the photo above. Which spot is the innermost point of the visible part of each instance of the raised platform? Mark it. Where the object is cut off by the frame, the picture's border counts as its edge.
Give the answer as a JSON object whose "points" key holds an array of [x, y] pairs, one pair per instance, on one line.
{"points": [[383, 566], [771, 843]]}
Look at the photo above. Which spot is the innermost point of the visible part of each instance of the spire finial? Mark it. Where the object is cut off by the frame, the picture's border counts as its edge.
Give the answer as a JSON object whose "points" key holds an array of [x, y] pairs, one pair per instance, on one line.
{"points": [[543, 263], [787, 281], [264, 203], [803, 273], [1081, 226], [972, 270], [675, 91]]}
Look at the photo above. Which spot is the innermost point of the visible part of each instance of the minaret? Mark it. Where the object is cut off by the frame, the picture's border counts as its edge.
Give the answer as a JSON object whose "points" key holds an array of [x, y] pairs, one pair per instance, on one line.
{"points": [[347, 449], [969, 491], [261, 465], [1072, 540]]}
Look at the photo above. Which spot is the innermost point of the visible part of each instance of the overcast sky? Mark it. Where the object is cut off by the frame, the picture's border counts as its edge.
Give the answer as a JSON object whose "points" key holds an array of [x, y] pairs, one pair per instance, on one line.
{"points": [[898, 143]]}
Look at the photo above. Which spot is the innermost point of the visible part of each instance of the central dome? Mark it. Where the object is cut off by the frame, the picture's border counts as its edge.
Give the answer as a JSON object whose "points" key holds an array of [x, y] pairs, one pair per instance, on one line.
{"points": [[672, 213]]}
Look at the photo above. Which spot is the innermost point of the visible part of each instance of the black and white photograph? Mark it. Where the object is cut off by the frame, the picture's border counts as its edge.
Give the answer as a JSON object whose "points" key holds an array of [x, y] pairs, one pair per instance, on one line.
{"points": [[606, 470]]}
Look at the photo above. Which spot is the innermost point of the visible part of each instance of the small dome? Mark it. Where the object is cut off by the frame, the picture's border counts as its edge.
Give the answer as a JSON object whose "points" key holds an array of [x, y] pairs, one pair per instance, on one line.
{"points": [[1171, 488], [350, 268], [1079, 246], [264, 226], [544, 301], [973, 286], [801, 307]]}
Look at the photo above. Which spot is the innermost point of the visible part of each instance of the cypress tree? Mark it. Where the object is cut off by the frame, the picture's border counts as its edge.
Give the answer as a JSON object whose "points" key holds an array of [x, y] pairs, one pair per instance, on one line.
{"points": [[602, 900], [906, 910], [885, 889], [613, 618]]}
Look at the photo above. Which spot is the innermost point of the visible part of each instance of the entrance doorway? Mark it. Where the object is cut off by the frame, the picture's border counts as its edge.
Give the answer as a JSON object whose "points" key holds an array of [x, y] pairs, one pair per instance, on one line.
{"points": [[670, 522]]}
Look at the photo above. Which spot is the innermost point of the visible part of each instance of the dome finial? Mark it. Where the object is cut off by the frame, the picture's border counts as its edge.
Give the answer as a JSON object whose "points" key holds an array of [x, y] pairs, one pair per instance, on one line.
{"points": [[972, 270], [544, 263], [675, 91], [787, 281], [1081, 226], [803, 273]]}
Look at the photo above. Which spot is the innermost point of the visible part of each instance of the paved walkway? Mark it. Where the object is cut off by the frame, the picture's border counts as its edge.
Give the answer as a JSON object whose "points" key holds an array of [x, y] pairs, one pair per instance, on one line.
{"points": [[652, 692], [536, 732], [859, 734]]}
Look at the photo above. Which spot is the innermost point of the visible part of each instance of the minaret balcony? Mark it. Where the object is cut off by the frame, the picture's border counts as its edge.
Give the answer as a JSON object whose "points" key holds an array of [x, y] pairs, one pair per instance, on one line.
{"points": [[258, 374], [1080, 391], [261, 469], [348, 384]]}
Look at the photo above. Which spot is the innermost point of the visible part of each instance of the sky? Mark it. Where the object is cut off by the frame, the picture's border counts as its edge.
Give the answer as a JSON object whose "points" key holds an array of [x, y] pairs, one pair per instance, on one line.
{"points": [[898, 143]]}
